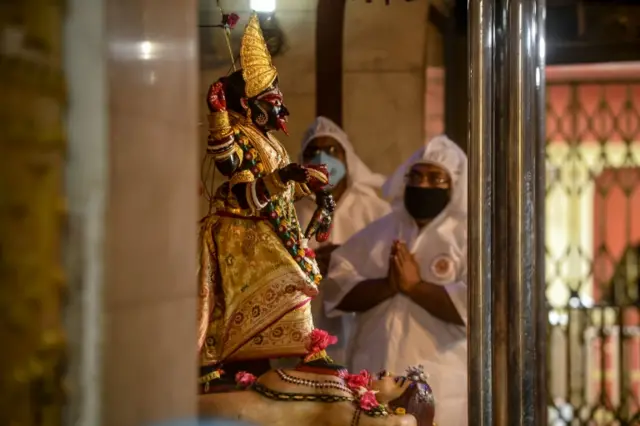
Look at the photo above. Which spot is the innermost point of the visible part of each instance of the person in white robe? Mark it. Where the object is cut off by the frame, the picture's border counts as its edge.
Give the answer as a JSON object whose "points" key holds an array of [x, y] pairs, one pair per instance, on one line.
{"points": [[355, 189], [405, 278]]}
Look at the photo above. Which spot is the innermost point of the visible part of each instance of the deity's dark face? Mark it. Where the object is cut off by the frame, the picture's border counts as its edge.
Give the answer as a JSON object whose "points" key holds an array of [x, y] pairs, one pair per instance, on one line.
{"points": [[268, 111]]}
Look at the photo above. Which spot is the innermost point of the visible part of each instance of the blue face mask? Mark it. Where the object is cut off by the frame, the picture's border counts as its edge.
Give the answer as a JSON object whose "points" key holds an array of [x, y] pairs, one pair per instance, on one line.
{"points": [[336, 168]]}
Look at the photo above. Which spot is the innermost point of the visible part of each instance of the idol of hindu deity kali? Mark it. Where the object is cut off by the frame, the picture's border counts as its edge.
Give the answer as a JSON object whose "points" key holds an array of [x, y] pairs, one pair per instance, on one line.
{"points": [[257, 276]]}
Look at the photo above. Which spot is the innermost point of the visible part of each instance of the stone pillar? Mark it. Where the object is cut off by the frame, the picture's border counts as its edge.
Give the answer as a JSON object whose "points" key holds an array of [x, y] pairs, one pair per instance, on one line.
{"points": [[149, 344], [506, 199]]}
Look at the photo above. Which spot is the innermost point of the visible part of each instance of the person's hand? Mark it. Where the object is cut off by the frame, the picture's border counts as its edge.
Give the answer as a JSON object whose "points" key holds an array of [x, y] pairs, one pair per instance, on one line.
{"points": [[294, 172], [404, 271], [323, 256], [216, 100]]}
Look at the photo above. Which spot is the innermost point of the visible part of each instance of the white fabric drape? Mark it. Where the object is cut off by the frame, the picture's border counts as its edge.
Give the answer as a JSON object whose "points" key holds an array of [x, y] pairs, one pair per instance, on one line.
{"points": [[358, 206], [399, 333]]}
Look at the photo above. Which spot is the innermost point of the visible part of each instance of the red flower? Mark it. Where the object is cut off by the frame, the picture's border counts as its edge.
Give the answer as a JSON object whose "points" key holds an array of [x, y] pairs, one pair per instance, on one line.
{"points": [[230, 20], [319, 340], [357, 381], [245, 379], [310, 253], [368, 401], [321, 237]]}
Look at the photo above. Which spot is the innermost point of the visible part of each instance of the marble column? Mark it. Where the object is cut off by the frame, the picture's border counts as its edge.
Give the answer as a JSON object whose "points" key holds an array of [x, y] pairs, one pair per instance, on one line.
{"points": [[149, 343]]}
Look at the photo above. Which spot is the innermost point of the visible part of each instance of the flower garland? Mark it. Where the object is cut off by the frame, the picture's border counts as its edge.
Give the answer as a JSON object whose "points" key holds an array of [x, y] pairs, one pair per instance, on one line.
{"points": [[365, 397], [287, 230], [316, 343]]}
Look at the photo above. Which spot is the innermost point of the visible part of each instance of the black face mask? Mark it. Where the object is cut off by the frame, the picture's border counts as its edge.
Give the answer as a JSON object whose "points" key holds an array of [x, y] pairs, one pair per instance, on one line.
{"points": [[425, 203]]}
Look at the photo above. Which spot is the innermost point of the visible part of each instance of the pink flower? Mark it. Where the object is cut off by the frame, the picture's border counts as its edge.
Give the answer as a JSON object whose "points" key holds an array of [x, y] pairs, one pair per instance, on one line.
{"points": [[368, 401], [231, 20], [356, 381], [319, 340], [245, 379]]}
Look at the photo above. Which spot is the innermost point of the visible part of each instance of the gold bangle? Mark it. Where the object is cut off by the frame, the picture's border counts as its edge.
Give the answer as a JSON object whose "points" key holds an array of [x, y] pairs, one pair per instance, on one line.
{"points": [[218, 120], [219, 125]]}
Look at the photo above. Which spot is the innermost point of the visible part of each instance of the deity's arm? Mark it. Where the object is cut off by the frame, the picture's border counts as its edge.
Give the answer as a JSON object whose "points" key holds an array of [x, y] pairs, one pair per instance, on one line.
{"points": [[236, 159], [222, 144], [251, 192]]}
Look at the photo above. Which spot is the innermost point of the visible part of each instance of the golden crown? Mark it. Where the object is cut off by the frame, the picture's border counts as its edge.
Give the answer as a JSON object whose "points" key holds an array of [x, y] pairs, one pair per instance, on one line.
{"points": [[258, 71]]}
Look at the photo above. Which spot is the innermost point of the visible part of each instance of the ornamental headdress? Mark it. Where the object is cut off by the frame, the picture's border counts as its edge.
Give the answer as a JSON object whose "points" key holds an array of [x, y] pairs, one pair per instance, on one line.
{"points": [[258, 71]]}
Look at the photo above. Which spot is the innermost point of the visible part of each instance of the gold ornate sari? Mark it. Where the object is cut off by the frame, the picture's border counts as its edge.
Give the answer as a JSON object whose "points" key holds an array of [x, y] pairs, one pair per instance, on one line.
{"points": [[255, 280]]}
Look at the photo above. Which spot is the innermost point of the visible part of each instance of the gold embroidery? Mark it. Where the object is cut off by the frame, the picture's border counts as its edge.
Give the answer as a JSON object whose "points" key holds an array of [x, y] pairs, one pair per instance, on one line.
{"points": [[261, 311], [285, 338], [271, 152], [274, 184], [242, 177], [208, 265], [258, 71]]}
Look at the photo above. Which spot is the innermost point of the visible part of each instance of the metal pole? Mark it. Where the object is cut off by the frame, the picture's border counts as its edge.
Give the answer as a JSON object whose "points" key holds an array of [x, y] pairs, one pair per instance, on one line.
{"points": [[506, 249], [521, 142], [540, 305], [480, 147]]}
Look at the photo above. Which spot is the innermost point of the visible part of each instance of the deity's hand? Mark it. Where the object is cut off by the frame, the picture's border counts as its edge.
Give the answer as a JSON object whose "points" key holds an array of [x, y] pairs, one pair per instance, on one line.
{"points": [[294, 172], [325, 200], [216, 100], [319, 179]]}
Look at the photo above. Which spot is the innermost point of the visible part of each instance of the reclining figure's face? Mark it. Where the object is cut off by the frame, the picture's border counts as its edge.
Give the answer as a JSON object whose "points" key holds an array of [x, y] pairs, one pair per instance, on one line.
{"points": [[268, 110]]}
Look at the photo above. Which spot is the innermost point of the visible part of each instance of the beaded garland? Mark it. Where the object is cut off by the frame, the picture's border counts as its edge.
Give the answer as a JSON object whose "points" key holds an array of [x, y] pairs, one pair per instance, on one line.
{"points": [[325, 384], [289, 396], [287, 232]]}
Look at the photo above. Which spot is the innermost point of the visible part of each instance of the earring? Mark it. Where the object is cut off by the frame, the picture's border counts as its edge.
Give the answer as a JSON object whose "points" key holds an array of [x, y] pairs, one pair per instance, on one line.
{"points": [[261, 119]]}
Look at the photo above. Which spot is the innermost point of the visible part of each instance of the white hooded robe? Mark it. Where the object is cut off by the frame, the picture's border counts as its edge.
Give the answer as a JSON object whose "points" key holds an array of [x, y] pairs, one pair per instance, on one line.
{"points": [[399, 333], [359, 205]]}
